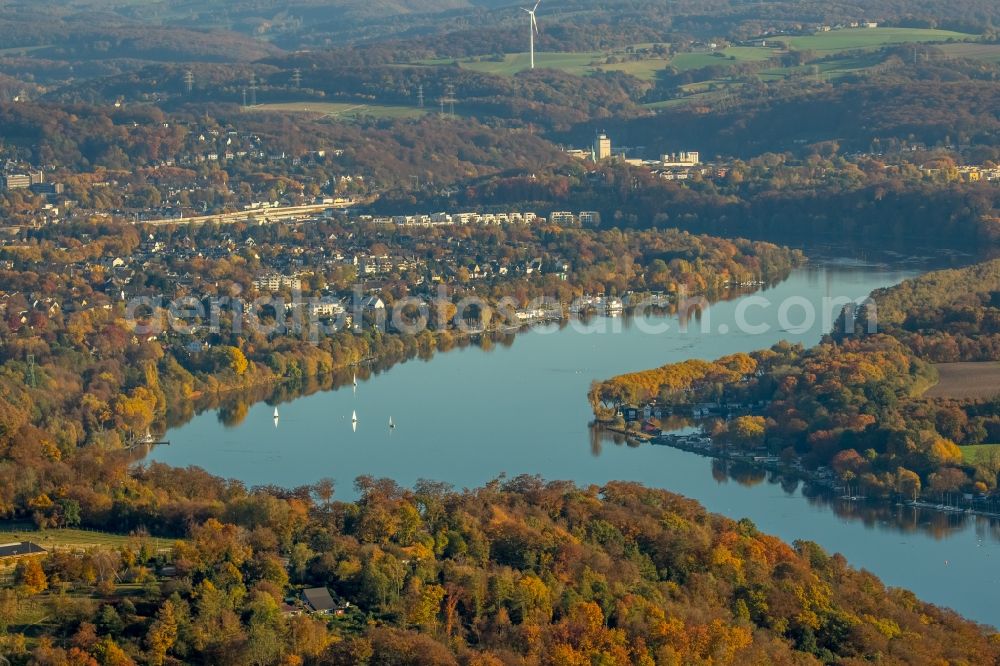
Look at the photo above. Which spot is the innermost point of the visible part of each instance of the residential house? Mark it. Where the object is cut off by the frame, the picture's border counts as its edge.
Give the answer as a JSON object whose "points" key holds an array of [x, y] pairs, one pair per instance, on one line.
{"points": [[373, 304], [319, 599], [12, 552]]}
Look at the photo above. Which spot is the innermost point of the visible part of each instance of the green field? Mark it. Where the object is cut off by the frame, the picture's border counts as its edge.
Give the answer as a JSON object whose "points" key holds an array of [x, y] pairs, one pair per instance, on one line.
{"points": [[984, 52], [346, 110], [696, 60], [645, 69], [69, 538], [979, 452], [827, 69], [581, 63], [868, 38]]}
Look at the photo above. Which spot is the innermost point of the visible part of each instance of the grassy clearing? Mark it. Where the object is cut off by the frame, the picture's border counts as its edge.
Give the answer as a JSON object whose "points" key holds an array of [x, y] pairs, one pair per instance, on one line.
{"points": [[70, 538], [979, 453], [645, 70], [869, 38], [966, 381], [346, 110]]}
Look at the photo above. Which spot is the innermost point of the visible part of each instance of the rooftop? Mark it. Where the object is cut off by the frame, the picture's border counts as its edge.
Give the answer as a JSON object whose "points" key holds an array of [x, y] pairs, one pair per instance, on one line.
{"points": [[319, 598], [20, 548]]}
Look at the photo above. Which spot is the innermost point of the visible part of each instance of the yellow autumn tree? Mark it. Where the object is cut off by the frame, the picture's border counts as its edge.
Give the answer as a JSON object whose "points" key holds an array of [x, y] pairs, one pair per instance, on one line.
{"points": [[30, 577], [162, 633]]}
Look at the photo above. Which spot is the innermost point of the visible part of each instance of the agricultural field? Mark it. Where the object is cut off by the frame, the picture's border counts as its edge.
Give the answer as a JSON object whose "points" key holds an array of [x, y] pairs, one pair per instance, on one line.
{"points": [[966, 381], [827, 69], [645, 69], [980, 453], [984, 52], [868, 38], [73, 539], [345, 110], [696, 60], [582, 63]]}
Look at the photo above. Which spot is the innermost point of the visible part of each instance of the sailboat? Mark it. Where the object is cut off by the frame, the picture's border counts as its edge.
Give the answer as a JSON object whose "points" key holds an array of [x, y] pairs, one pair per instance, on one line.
{"points": [[354, 421], [355, 382], [275, 412], [391, 424]]}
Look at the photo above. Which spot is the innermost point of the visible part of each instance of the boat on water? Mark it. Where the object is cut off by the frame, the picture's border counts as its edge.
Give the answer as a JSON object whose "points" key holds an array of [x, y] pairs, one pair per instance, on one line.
{"points": [[275, 412], [146, 440], [354, 421], [392, 425]]}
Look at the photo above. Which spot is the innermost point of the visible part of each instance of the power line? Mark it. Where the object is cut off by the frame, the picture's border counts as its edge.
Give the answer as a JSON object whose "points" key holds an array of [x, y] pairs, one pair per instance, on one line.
{"points": [[32, 382], [449, 99], [189, 81], [253, 90]]}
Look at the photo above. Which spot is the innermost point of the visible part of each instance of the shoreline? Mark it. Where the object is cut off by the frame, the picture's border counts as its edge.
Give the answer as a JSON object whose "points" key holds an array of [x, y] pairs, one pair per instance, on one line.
{"points": [[696, 444]]}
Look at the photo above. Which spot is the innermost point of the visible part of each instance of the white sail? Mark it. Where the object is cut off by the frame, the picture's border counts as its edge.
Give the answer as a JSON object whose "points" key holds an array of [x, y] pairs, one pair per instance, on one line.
{"points": [[391, 424], [275, 412], [354, 416]]}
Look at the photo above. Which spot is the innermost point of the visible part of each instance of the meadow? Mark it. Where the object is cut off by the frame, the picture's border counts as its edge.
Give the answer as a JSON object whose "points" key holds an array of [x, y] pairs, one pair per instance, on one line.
{"points": [[848, 39], [984, 52], [72, 538], [980, 453], [582, 63]]}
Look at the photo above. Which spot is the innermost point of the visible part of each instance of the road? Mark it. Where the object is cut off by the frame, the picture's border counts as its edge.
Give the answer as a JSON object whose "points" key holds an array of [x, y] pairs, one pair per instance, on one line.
{"points": [[265, 214]]}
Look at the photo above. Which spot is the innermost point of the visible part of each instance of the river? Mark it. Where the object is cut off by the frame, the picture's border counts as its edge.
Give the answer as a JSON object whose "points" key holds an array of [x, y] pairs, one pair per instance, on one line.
{"points": [[470, 415]]}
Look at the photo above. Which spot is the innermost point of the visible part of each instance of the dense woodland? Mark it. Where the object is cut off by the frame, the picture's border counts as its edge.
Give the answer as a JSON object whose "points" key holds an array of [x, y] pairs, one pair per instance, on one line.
{"points": [[518, 572], [772, 195], [946, 316], [299, 24], [893, 110]]}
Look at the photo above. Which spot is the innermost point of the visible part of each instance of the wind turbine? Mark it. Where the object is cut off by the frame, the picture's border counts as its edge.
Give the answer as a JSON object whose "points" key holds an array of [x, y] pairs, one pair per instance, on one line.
{"points": [[532, 29]]}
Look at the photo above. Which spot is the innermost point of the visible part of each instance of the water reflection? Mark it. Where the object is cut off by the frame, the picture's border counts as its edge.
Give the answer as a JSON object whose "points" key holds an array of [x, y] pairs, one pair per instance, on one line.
{"points": [[872, 513], [232, 407]]}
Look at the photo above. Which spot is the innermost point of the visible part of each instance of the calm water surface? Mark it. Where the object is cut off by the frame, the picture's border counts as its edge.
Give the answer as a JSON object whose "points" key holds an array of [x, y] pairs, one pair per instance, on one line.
{"points": [[469, 415]]}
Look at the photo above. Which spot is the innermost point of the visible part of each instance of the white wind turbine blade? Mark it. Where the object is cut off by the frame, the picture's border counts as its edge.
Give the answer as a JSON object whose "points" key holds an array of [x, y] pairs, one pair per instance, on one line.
{"points": [[534, 23], [536, 6]]}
